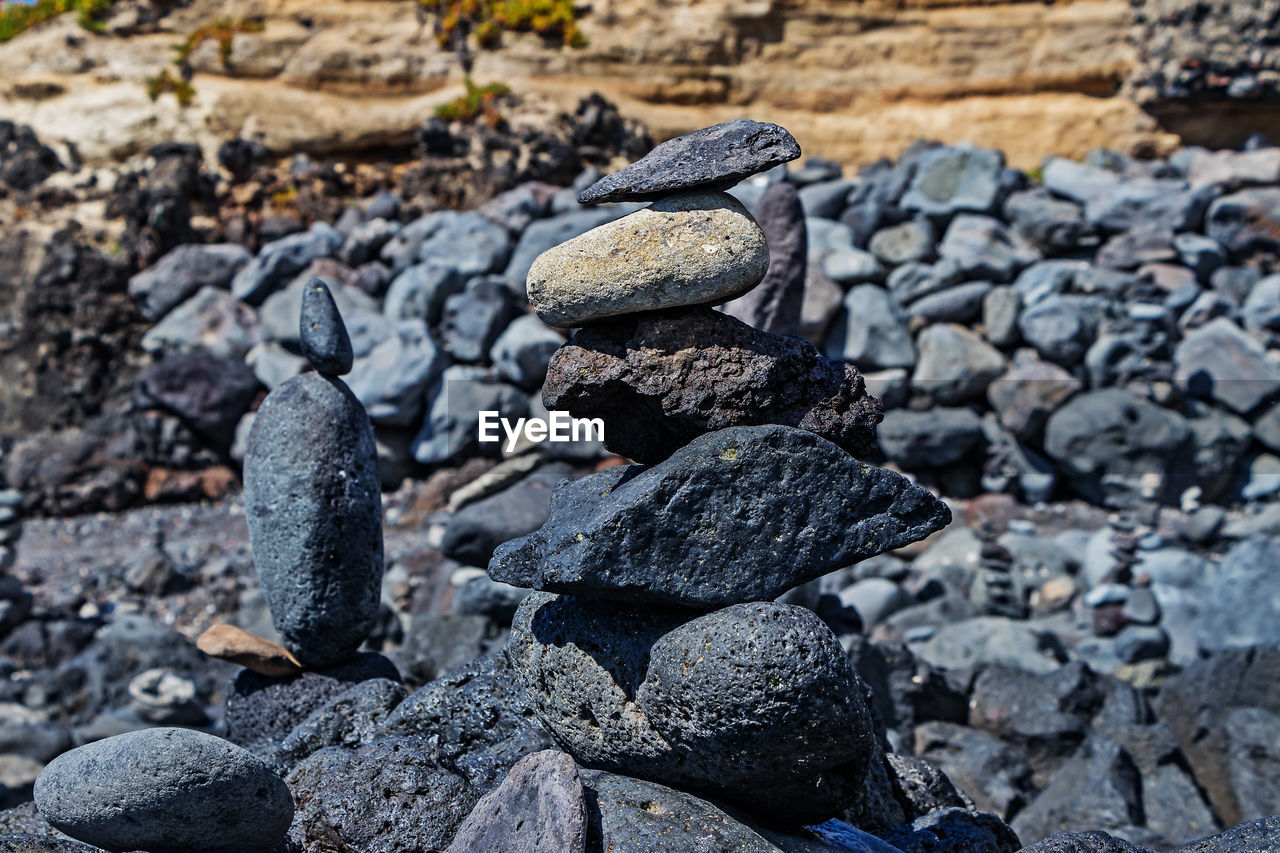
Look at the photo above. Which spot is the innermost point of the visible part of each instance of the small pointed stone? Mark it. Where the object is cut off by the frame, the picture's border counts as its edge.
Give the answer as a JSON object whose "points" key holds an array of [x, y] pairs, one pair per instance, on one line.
{"points": [[229, 643], [324, 336], [713, 158]]}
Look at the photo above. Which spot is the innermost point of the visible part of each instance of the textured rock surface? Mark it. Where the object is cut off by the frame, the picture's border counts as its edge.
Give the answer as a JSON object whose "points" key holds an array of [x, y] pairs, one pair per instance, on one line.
{"points": [[538, 808], [313, 501], [775, 304], [165, 790], [713, 158], [687, 249], [710, 526], [661, 380], [325, 343], [777, 701], [262, 711]]}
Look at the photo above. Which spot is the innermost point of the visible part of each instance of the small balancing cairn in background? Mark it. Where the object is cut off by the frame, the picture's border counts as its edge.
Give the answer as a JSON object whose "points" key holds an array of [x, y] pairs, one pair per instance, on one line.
{"points": [[314, 510], [653, 646]]}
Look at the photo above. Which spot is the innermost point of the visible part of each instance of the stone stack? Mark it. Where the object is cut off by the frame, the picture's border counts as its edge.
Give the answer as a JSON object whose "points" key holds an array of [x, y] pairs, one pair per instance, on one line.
{"points": [[653, 647]]}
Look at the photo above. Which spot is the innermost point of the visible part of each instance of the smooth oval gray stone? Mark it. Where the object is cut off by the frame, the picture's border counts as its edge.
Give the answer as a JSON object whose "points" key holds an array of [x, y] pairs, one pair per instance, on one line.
{"points": [[314, 506], [165, 790], [324, 338]]}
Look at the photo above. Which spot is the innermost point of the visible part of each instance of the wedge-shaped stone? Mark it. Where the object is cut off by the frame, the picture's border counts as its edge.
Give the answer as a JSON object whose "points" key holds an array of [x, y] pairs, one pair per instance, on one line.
{"points": [[689, 249], [660, 380], [715, 157], [741, 514]]}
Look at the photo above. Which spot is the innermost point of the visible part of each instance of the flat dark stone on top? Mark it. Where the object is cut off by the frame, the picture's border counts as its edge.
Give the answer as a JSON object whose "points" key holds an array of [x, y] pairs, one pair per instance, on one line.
{"points": [[325, 342], [715, 157]]}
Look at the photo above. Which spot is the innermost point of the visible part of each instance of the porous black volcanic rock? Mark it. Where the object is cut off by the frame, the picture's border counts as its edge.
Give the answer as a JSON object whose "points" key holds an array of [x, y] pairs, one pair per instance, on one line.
{"points": [[480, 707], [325, 343], [262, 711], [627, 815], [1083, 842], [1257, 836], [774, 305], [749, 699], [538, 808], [955, 830], [395, 795], [719, 522], [313, 501], [713, 158], [21, 842], [660, 380], [165, 790], [208, 392], [352, 718]]}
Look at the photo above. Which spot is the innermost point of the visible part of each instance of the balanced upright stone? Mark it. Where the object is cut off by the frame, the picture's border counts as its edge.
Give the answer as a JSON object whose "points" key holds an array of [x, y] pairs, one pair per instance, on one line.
{"points": [[314, 503], [325, 342], [715, 157]]}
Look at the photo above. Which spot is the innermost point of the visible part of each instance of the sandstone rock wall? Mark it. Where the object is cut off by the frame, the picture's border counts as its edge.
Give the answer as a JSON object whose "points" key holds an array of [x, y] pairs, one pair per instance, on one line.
{"points": [[854, 79]]}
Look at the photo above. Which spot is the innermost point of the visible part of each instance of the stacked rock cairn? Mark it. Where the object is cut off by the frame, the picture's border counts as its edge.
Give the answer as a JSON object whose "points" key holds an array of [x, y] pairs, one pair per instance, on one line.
{"points": [[314, 508], [653, 645]]}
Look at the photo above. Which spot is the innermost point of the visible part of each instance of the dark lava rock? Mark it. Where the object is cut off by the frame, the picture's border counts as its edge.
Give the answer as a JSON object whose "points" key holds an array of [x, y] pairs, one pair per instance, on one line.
{"points": [[477, 708], [165, 790], [1119, 448], [262, 711], [325, 343], [1258, 836], [395, 795], [208, 392], [992, 772], [774, 305], [955, 830], [472, 320], [180, 274], [719, 523], [932, 438], [1083, 842], [28, 843], [1198, 706], [1099, 786], [750, 699], [473, 532], [660, 380], [538, 808], [352, 718], [714, 158], [313, 501]]}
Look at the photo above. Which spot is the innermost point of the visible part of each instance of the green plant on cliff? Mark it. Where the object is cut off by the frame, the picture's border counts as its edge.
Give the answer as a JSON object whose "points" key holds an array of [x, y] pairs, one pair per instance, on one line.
{"points": [[16, 18], [221, 31], [477, 102]]}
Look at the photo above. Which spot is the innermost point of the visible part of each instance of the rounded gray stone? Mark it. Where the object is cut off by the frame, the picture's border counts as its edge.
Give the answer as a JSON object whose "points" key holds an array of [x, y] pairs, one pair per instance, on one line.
{"points": [[323, 335], [538, 808], [752, 697], [689, 249], [313, 502], [165, 790]]}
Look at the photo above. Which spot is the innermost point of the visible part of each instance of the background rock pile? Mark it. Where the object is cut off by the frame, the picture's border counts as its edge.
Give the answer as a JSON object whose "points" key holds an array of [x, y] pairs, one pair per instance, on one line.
{"points": [[1079, 360]]}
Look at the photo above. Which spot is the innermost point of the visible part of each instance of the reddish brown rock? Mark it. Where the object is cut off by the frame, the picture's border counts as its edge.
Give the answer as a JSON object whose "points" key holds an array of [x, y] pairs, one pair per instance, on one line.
{"points": [[237, 645], [660, 380]]}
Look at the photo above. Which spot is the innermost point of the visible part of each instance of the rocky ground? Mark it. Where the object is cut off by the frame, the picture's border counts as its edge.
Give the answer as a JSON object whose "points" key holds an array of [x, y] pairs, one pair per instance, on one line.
{"points": [[1082, 360]]}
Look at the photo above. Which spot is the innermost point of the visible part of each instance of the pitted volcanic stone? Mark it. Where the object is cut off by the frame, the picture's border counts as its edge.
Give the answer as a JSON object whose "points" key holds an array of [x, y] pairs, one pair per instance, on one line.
{"points": [[689, 249], [753, 696], [168, 791], [538, 808], [741, 514], [715, 157], [324, 338], [313, 502], [660, 380]]}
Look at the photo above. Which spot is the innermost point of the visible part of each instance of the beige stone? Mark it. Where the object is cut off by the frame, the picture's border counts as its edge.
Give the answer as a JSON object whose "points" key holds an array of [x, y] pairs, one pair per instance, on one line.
{"points": [[687, 249], [237, 645]]}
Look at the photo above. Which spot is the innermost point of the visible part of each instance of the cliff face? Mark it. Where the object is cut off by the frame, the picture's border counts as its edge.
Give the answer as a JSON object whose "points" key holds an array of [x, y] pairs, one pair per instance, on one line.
{"points": [[854, 80]]}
